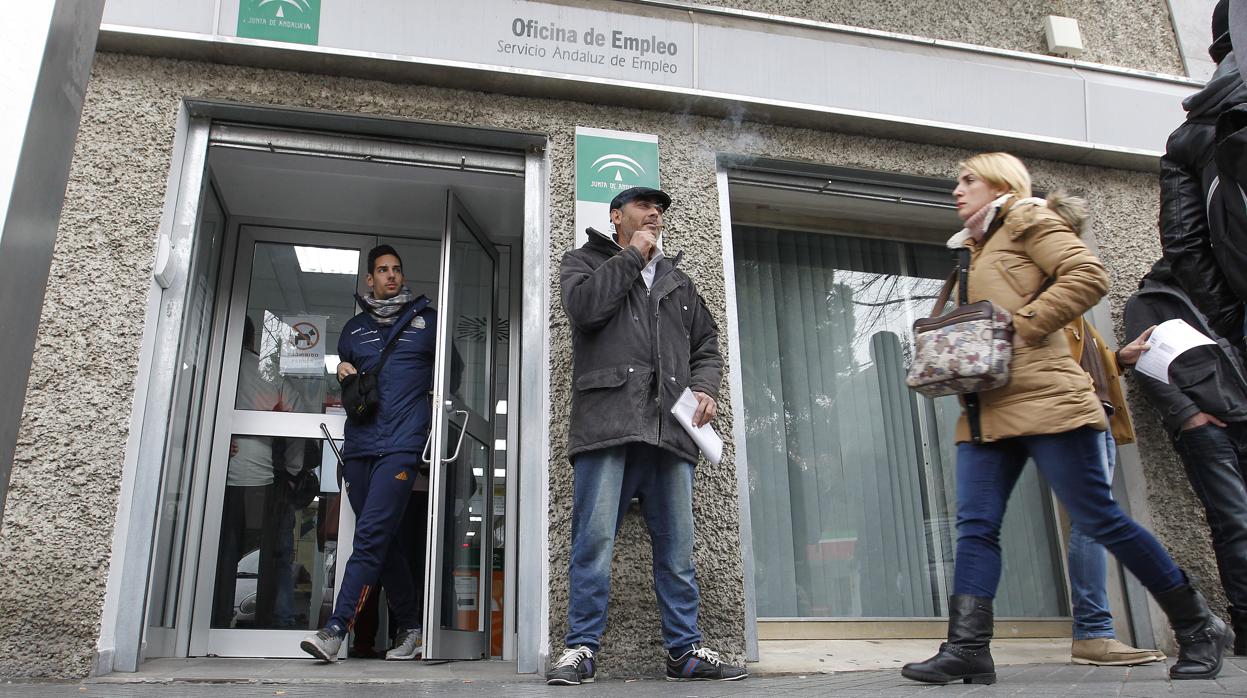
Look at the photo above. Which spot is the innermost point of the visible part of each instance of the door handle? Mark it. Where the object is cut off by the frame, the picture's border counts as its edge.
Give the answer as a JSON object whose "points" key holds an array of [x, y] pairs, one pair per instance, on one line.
{"points": [[462, 430], [325, 430], [424, 456]]}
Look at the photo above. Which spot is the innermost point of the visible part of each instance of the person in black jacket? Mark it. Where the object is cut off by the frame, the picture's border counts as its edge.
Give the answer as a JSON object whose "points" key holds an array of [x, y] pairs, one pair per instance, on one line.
{"points": [[1204, 410], [381, 456], [1192, 209], [640, 336]]}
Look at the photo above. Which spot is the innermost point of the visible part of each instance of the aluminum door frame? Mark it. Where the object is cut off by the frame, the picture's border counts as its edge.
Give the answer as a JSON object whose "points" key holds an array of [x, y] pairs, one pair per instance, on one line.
{"points": [[204, 639], [441, 643]]}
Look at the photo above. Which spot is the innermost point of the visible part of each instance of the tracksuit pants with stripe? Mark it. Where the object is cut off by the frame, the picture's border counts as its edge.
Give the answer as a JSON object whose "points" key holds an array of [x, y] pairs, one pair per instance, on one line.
{"points": [[378, 489]]}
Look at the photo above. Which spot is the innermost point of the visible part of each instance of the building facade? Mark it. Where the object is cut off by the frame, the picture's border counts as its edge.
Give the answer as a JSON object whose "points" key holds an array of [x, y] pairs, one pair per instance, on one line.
{"points": [[232, 166]]}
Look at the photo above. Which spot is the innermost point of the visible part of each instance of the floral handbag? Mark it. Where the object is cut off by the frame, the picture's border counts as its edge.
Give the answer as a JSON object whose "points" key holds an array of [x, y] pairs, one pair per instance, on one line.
{"points": [[964, 351]]}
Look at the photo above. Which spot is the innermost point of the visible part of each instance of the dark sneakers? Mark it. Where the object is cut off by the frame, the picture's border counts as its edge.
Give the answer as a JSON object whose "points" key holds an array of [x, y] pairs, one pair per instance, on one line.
{"points": [[574, 667], [701, 664]]}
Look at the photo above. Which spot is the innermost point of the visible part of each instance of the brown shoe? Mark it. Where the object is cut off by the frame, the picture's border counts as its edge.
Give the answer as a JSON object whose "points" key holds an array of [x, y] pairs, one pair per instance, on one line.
{"points": [[1107, 651]]}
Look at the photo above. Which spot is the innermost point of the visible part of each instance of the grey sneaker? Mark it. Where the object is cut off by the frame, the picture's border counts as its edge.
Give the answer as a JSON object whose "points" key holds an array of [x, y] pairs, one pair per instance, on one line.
{"points": [[323, 645], [408, 645], [574, 667]]}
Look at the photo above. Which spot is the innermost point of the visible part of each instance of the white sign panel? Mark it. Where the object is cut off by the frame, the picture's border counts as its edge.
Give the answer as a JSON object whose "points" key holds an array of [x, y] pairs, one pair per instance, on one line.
{"points": [[303, 347]]}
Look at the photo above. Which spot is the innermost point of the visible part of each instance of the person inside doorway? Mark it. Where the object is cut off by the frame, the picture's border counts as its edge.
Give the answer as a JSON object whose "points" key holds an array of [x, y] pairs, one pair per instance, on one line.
{"points": [[641, 335], [382, 454], [257, 515]]}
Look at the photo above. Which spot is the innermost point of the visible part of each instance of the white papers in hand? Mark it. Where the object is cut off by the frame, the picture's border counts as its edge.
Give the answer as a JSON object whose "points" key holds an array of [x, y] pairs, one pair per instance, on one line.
{"points": [[705, 438], [1168, 340]]}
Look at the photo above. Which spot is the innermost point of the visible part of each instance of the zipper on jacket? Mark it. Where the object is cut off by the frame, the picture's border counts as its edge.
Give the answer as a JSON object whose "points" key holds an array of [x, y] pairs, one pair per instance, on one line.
{"points": [[657, 366]]}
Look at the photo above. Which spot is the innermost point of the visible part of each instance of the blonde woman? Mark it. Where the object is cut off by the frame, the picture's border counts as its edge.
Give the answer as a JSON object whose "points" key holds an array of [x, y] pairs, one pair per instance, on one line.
{"points": [[1048, 411]]}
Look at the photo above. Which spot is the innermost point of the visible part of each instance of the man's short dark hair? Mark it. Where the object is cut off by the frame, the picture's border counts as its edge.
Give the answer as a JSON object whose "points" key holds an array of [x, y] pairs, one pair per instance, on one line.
{"points": [[380, 251]]}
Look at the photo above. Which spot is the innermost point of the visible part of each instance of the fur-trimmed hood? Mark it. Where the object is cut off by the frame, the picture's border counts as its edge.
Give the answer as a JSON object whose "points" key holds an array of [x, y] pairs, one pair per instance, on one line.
{"points": [[1071, 209]]}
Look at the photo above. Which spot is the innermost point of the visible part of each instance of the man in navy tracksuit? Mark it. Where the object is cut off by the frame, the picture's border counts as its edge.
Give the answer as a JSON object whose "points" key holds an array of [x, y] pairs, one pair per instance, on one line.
{"points": [[381, 457]]}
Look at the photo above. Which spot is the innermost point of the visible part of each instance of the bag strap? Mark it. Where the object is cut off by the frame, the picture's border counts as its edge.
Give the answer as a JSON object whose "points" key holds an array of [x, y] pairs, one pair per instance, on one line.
{"points": [[963, 276], [389, 347], [942, 299]]}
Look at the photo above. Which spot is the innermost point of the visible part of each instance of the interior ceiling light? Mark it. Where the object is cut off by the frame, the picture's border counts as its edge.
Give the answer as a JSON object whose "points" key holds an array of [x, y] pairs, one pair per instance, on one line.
{"points": [[327, 260]]}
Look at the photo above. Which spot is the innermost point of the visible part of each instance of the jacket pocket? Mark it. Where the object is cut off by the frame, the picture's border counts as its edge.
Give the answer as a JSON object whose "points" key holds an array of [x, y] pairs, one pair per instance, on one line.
{"points": [[610, 404], [1014, 272], [611, 377]]}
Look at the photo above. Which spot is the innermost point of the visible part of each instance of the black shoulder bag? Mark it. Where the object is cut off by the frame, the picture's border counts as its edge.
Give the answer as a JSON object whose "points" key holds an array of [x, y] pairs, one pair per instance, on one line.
{"points": [[361, 393]]}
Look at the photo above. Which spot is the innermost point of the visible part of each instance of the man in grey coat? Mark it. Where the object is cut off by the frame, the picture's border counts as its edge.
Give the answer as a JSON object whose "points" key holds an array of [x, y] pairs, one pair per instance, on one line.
{"points": [[640, 335]]}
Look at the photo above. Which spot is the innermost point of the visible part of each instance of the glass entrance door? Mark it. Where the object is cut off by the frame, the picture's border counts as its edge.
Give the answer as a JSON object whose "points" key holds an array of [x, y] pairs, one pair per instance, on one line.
{"points": [[461, 566], [269, 557]]}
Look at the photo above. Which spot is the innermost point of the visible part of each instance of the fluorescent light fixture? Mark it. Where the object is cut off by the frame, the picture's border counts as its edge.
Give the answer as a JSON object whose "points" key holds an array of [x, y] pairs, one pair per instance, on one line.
{"points": [[501, 407], [474, 518], [478, 472], [500, 472], [471, 533], [499, 444], [327, 260]]}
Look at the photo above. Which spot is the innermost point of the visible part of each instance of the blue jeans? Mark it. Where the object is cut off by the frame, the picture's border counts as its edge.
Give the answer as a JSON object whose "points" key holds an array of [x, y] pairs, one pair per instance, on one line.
{"points": [[1088, 567], [606, 480], [1072, 462], [378, 490]]}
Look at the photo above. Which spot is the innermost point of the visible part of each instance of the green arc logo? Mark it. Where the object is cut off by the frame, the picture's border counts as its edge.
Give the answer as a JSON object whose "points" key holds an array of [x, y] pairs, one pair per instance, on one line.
{"points": [[294, 21], [619, 163], [300, 5]]}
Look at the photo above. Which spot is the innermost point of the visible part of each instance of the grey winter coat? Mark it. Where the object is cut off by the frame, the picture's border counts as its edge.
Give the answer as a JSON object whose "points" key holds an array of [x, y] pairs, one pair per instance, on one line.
{"points": [[634, 350], [1204, 379]]}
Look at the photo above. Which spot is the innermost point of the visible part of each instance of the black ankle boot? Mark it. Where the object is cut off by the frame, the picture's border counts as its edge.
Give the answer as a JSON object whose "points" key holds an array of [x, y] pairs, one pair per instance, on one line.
{"points": [[1238, 621], [1202, 637], [967, 654]]}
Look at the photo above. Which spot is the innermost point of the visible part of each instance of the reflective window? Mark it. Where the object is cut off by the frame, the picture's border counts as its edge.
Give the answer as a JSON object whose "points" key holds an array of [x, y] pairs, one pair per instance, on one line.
{"points": [[851, 474], [279, 533], [300, 298]]}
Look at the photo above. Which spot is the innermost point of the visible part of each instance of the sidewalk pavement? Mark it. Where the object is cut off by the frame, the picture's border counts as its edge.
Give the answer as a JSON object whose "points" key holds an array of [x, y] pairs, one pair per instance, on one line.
{"points": [[1063, 680]]}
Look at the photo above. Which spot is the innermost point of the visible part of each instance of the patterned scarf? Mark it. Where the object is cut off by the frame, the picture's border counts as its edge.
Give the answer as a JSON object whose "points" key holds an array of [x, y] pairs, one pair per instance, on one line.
{"points": [[386, 312], [979, 221]]}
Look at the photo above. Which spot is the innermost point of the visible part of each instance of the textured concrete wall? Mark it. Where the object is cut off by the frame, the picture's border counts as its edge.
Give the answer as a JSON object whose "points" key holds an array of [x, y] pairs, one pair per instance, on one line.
{"points": [[54, 544], [1129, 33]]}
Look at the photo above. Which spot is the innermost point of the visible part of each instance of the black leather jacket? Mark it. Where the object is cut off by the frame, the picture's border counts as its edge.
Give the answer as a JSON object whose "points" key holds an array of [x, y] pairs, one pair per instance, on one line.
{"points": [[634, 349], [1205, 262]]}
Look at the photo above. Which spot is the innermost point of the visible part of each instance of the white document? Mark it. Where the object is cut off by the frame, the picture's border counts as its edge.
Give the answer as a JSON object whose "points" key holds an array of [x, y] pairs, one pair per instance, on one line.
{"points": [[705, 438], [1168, 341]]}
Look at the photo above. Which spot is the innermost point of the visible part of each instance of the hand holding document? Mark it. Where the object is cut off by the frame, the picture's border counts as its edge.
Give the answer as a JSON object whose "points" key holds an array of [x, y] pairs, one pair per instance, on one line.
{"points": [[1168, 340], [705, 438]]}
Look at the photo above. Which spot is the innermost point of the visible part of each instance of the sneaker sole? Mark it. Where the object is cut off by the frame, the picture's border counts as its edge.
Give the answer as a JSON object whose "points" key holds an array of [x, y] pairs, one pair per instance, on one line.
{"points": [[729, 678], [403, 658], [565, 682], [1120, 662], [313, 649]]}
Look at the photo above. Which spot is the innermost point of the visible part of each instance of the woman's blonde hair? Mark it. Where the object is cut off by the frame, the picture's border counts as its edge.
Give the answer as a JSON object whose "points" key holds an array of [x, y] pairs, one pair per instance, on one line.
{"points": [[1000, 170]]}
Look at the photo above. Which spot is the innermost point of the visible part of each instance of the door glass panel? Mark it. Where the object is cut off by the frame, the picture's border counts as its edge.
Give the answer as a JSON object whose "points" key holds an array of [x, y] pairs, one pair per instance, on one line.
{"points": [[181, 450], [422, 262], [851, 474], [300, 297], [276, 553], [464, 516], [473, 305]]}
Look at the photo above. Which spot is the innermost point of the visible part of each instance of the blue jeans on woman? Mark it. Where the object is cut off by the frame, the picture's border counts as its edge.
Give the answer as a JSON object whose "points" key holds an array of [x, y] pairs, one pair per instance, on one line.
{"points": [[1088, 567], [1072, 462], [606, 480]]}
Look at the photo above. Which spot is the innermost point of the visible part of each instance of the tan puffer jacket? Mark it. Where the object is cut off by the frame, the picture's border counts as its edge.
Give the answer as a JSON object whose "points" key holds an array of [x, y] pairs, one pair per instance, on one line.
{"points": [[1048, 392]]}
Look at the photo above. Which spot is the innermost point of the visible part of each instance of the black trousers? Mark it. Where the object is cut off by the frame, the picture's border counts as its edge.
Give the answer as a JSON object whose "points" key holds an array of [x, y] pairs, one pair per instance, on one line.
{"points": [[1215, 459]]}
